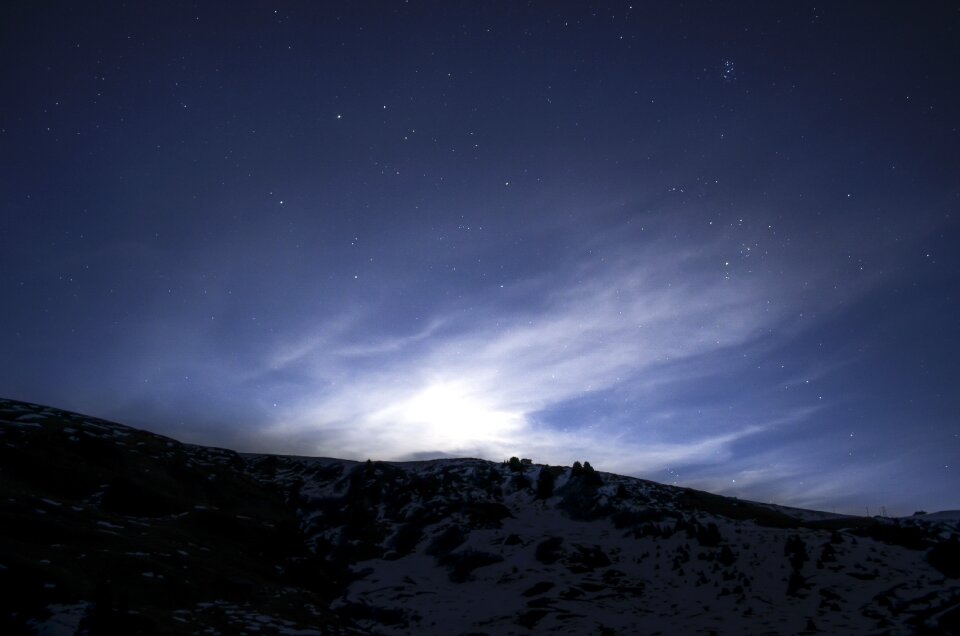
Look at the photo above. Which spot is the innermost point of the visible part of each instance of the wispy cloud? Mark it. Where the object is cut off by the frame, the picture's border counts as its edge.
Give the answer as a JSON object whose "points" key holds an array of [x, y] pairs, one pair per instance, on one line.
{"points": [[647, 356], [474, 382]]}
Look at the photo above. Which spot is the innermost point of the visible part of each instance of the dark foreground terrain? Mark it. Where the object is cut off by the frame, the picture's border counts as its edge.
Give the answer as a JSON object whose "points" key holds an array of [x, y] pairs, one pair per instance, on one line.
{"points": [[106, 529]]}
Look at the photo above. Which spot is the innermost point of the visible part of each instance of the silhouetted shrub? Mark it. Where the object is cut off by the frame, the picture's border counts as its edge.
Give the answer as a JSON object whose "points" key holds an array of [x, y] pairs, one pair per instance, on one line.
{"points": [[406, 537], [709, 536], [627, 518], [590, 476], [796, 583], [827, 553], [519, 481], [727, 557], [545, 484], [587, 558], [548, 551], [912, 536], [461, 564], [530, 618], [796, 550], [945, 557], [446, 541], [487, 514], [580, 501], [650, 530], [538, 588], [512, 539]]}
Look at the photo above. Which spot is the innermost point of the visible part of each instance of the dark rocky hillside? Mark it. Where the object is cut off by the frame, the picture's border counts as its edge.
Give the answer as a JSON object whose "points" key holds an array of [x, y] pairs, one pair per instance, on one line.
{"points": [[106, 529]]}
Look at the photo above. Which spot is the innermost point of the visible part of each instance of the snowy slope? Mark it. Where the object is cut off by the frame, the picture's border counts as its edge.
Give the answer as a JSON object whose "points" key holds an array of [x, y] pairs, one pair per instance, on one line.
{"points": [[623, 556], [194, 539]]}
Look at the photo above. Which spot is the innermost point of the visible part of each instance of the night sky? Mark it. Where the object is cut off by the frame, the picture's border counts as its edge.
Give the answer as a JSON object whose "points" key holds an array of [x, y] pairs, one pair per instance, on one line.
{"points": [[710, 244]]}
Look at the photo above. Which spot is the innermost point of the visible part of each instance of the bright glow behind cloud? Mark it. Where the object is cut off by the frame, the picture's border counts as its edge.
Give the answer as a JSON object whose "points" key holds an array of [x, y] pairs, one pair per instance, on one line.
{"points": [[449, 415], [475, 384]]}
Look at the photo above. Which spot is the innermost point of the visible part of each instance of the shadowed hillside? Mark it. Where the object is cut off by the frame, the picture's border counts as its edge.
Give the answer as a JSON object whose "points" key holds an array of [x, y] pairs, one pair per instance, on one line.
{"points": [[109, 529]]}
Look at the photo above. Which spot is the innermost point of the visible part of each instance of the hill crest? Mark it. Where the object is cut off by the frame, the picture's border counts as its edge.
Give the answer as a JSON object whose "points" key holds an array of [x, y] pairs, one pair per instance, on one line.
{"points": [[106, 527]]}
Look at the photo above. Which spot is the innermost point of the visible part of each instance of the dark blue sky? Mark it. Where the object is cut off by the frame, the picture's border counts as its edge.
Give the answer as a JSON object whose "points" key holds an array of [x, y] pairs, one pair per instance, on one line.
{"points": [[712, 244]]}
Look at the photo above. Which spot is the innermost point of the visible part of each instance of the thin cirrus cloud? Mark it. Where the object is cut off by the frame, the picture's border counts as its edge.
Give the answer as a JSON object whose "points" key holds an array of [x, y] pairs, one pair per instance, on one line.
{"points": [[477, 382]]}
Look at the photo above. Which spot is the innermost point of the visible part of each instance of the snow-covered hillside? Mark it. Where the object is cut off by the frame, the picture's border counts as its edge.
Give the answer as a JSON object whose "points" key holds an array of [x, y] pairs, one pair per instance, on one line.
{"points": [[106, 526]]}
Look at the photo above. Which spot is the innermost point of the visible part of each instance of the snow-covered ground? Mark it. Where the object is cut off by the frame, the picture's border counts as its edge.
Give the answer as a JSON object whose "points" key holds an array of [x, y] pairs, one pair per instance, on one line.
{"points": [[542, 571], [445, 547]]}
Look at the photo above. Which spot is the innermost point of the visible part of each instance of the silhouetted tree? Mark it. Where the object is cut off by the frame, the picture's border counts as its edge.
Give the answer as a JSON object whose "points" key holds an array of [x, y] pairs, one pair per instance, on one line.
{"points": [[945, 556], [796, 550], [796, 583], [545, 484], [590, 475], [727, 557], [709, 536], [827, 553]]}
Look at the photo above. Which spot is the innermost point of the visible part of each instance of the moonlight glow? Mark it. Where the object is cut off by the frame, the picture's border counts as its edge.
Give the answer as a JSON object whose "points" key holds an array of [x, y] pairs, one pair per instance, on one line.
{"points": [[448, 416]]}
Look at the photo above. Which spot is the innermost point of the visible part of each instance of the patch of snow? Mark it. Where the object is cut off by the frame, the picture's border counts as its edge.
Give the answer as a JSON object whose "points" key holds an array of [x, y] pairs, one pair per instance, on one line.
{"points": [[107, 524], [64, 620], [25, 424]]}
